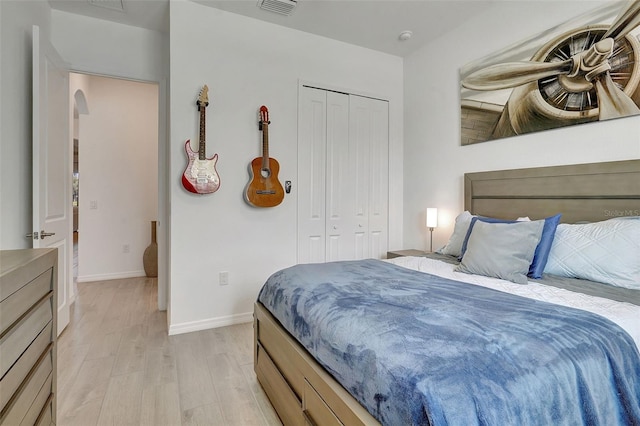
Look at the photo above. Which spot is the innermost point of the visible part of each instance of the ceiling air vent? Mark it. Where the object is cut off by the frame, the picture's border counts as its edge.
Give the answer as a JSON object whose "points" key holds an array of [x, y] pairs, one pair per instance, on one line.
{"points": [[108, 4], [283, 7]]}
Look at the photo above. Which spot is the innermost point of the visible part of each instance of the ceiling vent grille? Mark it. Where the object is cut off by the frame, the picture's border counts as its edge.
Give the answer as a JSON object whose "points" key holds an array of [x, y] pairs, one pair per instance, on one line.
{"points": [[282, 7], [108, 4]]}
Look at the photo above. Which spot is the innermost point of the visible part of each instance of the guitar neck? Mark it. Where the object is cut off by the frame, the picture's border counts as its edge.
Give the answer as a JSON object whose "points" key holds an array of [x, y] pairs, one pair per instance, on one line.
{"points": [[202, 149], [265, 145]]}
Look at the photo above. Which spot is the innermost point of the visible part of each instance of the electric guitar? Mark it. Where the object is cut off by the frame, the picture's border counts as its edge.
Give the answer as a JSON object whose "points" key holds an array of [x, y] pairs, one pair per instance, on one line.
{"points": [[201, 176], [264, 189]]}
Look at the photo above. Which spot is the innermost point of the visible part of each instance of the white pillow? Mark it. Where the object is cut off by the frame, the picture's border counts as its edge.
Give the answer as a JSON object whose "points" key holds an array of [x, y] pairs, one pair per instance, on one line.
{"points": [[454, 246], [606, 252]]}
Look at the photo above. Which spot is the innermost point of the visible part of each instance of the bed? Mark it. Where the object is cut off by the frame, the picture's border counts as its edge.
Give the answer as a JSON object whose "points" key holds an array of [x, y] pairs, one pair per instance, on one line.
{"points": [[569, 355]]}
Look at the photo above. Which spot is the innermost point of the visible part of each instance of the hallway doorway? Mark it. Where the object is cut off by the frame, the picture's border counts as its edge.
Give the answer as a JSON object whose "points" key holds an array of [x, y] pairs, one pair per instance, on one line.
{"points": [[116, 174]]}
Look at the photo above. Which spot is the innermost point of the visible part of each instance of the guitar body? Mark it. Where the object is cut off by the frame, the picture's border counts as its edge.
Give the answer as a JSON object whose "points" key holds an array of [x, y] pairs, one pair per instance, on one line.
{"points": [[264, 189], [200, 176]]}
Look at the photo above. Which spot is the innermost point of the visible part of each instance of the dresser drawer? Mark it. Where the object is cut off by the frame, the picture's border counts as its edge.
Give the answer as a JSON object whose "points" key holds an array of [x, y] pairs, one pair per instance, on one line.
{"points": [[19, 337], [27, 403], [28, 313], [19, 302], [19, 371], [316, 411], [46, 415]]}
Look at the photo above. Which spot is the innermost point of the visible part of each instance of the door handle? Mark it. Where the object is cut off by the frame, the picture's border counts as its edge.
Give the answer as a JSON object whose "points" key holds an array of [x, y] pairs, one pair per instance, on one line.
{"points": [[33, 235], [43, 234]]}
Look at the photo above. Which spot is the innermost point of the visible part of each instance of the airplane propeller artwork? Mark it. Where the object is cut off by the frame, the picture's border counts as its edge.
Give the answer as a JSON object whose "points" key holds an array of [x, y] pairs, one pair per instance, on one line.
{"points": [[588, 65]]}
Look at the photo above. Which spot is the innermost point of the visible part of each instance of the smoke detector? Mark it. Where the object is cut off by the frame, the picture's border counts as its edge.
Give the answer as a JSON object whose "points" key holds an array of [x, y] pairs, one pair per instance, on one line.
{"points": [[405, 35], [282, 7]]}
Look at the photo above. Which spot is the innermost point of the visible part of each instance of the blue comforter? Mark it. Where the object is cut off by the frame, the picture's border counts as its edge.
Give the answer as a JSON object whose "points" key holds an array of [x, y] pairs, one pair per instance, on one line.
{"points": [[415, 348]]}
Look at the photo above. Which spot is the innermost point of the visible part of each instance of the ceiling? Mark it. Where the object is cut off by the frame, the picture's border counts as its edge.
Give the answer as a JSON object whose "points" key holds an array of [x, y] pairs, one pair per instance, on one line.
{"points": [[373, 24]]}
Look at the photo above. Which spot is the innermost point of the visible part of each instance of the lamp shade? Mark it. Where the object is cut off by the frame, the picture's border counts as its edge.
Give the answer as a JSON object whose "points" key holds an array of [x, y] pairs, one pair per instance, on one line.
{"points": [[432, 217]]}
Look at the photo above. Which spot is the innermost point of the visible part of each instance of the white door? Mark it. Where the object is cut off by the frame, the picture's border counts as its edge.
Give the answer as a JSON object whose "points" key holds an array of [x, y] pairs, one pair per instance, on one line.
{"points": [[339, 179], [312, 134], [52, 216], [369, 158], [343, 176]]}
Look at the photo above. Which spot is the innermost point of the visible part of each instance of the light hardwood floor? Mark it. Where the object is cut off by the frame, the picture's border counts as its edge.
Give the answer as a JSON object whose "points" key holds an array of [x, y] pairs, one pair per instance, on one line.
{"points": [[118, 366]]}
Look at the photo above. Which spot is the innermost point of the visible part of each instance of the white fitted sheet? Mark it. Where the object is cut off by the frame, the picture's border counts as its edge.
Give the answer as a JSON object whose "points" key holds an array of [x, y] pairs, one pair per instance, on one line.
{"points": [[626, 315]]}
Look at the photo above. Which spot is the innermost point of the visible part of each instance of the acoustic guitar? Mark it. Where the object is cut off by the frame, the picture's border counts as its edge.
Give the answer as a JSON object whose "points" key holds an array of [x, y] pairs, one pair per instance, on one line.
{"points": [[200, 176], [264, 189]]}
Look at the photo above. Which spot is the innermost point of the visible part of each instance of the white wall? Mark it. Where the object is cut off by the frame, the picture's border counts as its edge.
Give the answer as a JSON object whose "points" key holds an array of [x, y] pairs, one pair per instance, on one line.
{"points": [[104, 47], [247, 63], [434, 161], [16, 21], [118, 150]]}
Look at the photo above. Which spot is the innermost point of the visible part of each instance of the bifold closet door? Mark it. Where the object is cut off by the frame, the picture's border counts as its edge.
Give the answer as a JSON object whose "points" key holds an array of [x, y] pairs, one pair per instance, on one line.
{"points": [[369, 158], [323, 155], [338, 168]]}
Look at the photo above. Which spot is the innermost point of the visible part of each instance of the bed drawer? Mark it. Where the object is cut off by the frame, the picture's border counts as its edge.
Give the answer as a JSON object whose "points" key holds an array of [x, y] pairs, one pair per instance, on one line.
{"points": [[284, 400], [285, 353], [27, 403], [290, 363], [315, 410]]}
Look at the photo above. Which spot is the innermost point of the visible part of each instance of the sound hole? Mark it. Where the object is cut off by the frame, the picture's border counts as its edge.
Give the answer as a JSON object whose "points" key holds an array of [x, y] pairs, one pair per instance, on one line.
{"points": [[567, 96], [265, 173]]}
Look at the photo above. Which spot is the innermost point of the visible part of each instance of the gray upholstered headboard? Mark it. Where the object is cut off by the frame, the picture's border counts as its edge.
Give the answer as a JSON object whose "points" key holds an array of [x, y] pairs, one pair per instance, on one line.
{"points": [[581, 192]]}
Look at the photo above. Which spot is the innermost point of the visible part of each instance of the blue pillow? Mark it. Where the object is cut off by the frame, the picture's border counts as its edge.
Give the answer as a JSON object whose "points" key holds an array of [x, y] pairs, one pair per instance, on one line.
{"points": [[544, 246], [542, 250]]}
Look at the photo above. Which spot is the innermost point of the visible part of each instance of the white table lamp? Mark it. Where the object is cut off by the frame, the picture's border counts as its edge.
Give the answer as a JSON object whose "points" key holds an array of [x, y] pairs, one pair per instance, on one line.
{"points": [[432, 222]]}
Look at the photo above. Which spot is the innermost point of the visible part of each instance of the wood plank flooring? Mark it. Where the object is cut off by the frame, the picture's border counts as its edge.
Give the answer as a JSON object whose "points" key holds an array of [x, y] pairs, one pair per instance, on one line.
{"points": [[118, 366]]}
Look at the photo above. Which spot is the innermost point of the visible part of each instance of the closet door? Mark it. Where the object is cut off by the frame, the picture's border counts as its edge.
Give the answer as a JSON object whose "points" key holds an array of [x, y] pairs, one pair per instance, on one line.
{"points": [[343, 176], [312, 136], [340, 187], [369, 148]]}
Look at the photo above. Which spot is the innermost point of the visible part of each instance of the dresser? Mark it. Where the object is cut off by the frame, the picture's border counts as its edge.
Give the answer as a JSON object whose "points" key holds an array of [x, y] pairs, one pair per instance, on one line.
{"points": [[28, 336]]}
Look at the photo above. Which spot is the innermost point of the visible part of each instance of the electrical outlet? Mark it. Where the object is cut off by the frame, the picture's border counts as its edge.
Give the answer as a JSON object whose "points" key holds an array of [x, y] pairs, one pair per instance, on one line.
{"points": [[125, 248], [224, 278], [93, 205]]}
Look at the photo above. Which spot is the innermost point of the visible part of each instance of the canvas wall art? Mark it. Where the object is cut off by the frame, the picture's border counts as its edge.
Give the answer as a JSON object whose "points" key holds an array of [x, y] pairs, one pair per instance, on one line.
{"points": [[583, 71]]}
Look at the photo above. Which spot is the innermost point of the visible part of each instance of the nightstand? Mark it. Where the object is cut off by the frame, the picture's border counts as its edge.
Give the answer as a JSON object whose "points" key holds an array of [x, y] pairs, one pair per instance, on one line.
{"points": [[410, 252]]}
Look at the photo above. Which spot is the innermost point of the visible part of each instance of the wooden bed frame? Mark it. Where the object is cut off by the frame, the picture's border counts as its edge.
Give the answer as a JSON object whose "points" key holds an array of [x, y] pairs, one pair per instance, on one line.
{"points": [[303, 393]]}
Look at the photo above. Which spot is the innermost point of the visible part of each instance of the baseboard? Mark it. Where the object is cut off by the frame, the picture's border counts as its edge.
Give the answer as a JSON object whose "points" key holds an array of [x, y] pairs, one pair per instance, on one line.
{"points": [[112, 276], [188, 327]]}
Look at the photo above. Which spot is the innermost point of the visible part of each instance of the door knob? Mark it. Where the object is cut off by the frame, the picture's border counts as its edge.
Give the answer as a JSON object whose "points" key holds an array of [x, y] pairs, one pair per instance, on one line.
{"points": [[43, 234]]}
